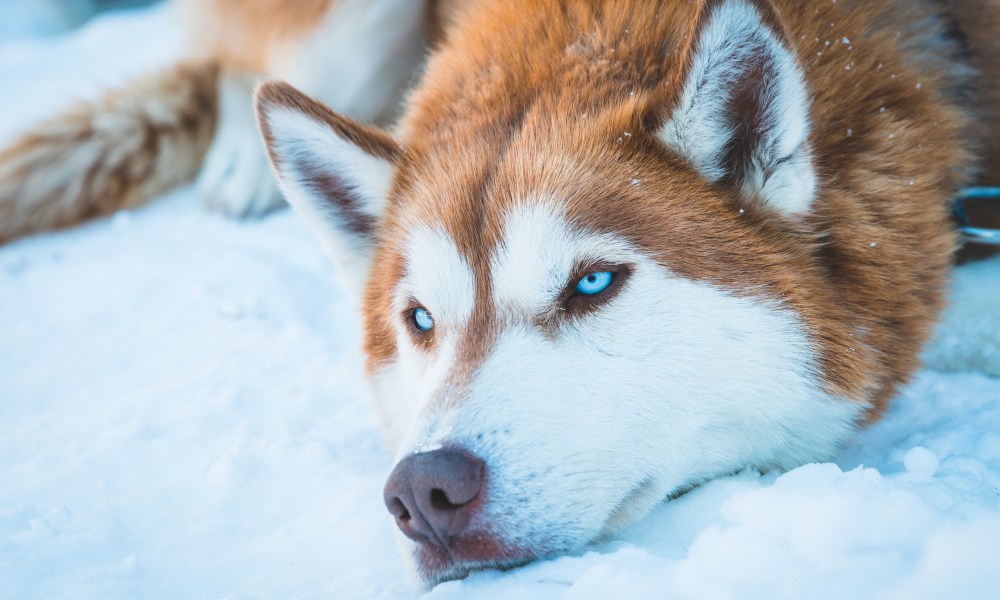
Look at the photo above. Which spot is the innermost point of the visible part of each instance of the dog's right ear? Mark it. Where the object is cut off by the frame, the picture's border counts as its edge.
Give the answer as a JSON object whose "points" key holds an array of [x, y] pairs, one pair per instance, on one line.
{"points": [[334, 171], [741, 118]]}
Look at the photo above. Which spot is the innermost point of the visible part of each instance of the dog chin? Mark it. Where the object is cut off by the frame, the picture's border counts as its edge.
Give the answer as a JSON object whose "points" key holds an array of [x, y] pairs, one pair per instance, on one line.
{"points": [[476, 552], [483, 550]]}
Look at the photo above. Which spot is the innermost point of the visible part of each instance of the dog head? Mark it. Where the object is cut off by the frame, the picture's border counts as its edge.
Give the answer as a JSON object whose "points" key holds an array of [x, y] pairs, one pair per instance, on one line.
{"points": [[578, 308]]}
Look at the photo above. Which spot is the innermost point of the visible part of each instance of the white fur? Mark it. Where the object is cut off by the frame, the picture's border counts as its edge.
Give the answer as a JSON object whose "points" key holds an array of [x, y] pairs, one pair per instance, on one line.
{"points": [[438, 278], [300, 140], [360, 58], [584, 429], [236, 178], [782, 173], [532, 263], [538, 255]]}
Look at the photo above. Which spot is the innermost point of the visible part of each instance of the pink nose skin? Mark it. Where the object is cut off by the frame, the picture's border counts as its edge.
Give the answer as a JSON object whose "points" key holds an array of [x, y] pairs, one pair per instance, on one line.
{"points": [[431, 494]]}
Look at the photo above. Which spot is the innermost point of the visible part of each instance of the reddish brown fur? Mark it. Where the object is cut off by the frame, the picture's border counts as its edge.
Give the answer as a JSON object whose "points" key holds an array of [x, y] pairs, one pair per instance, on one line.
{"points": [[370, 140], [247, 35], [142, 140], [535, 97], [104, 156]]}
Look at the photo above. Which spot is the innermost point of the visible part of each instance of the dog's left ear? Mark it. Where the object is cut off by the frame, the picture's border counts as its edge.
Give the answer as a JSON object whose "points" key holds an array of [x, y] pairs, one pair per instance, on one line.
{"points": [[334, 171], [741, 115]]}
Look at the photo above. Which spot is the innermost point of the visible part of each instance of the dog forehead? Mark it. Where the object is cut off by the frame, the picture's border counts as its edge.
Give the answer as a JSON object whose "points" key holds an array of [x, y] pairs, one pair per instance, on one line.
{"points": [[535, 254], [540, 250], [524, 265], [524, 214], [521, 228]]}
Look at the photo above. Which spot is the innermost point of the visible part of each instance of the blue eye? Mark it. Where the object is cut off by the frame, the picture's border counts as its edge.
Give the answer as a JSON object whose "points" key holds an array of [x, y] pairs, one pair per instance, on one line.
{"points": [[422, 319], [595, 283]]}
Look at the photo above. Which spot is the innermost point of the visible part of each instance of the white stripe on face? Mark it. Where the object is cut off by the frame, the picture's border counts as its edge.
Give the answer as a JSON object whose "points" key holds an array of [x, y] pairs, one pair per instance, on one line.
{"points": [[539, 252], [437, 277]]}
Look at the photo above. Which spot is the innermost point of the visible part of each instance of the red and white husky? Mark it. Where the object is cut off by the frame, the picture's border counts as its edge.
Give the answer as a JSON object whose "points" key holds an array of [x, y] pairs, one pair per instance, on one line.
{"points": [[616, 248]]}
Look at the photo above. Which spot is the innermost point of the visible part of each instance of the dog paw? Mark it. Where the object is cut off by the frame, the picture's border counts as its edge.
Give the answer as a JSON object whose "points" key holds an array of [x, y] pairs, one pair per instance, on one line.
{"points": [[236, 178]]}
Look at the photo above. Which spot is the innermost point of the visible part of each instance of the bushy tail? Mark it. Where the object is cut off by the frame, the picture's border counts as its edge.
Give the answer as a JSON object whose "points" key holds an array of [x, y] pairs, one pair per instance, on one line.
{"points": [[119, 152]]}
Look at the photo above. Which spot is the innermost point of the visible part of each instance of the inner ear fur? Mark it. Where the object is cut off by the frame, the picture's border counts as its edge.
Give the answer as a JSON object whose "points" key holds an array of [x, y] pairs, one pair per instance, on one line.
{"points": [[740, 108], [333, 170]]}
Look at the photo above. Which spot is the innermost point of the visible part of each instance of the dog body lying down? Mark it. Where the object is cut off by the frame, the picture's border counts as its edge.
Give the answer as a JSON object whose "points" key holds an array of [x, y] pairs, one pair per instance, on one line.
{"points": [[197, 120], [613, 248], [618, 248]]}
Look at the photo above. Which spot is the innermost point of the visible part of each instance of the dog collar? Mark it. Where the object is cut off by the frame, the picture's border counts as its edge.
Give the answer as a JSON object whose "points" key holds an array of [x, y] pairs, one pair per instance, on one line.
{"points": [[978, 235]]}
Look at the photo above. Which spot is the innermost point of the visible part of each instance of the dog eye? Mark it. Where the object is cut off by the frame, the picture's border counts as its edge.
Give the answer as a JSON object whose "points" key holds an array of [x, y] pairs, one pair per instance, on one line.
{"points": [[422, 319], [595, 283]]}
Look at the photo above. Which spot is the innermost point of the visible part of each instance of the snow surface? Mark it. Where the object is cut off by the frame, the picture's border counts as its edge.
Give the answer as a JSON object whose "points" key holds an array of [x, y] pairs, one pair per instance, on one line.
{"points": [[182, 415]]}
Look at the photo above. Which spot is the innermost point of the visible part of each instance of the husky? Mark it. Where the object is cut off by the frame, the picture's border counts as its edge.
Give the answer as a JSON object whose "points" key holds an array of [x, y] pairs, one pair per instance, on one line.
{"points": [[610, 249], [617, 248]]}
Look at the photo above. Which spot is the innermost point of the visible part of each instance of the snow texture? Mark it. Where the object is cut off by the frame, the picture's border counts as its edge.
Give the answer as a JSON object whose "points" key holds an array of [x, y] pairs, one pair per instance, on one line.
{"points": [[182, 415]]}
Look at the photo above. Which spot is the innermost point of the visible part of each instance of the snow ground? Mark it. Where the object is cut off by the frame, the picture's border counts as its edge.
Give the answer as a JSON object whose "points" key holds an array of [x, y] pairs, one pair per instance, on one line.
{"points": [[182, 416]]}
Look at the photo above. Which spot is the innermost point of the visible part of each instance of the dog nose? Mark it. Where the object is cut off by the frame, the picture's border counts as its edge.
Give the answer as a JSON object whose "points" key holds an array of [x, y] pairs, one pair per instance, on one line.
{"points": [[431, 494]]}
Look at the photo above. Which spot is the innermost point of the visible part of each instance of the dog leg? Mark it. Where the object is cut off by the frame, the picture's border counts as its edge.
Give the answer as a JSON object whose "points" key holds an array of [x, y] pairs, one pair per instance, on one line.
{"points": [[236, 179]]}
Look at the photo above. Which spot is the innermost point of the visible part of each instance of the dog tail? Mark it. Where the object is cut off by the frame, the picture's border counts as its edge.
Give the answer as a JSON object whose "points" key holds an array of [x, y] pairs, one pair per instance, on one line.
{"points": [[119, 152]]}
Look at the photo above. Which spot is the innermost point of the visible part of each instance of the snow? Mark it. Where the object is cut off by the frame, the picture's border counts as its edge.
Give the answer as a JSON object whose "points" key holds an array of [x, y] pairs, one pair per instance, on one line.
{"points": [[182, 415]]}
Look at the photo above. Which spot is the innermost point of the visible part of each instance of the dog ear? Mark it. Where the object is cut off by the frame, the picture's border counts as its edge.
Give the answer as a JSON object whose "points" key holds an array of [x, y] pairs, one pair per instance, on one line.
{"points": [[334, 171], [741, 114]]}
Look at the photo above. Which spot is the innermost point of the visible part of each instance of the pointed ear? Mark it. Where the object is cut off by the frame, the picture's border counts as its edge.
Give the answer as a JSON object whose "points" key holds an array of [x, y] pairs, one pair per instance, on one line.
{"points": [[334, 171], [741, 116]]}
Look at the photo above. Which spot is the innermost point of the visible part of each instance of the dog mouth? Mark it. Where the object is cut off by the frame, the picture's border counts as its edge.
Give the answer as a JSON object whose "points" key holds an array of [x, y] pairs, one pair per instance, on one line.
{"points": [[462, 555], [443, 501], [479, 549], [483, 550]]}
